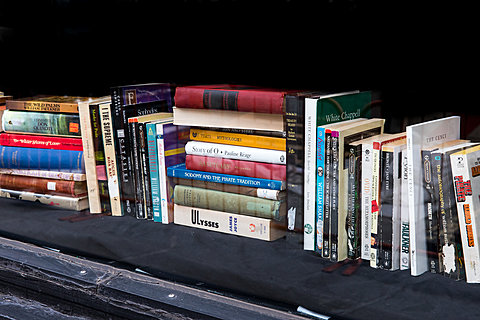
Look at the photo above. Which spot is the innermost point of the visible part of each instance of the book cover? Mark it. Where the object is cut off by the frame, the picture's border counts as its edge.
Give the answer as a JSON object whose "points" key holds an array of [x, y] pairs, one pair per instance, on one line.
{"points": [[419, 136], [43, 185], [228, 119], [181, 171], [465, 166], [39, 141], [229, 202], [131, 101], [236, 167], [41, 159], [231, 97], [57, 124], [45, 103], [245, 140], [248, 191], [230, 223], [56, 201]]}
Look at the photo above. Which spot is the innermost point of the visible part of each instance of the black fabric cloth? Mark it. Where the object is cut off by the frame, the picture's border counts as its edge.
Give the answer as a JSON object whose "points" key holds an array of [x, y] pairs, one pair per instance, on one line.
{"points": [[279, 271]]}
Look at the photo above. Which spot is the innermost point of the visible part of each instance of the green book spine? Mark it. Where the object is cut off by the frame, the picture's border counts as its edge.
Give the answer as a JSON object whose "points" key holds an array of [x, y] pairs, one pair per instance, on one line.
{"points": [[59, 124], [229, 202]]}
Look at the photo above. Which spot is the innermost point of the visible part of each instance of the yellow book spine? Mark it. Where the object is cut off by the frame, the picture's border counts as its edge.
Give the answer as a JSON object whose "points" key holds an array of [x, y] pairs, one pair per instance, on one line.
{"points": [[237, 139]]}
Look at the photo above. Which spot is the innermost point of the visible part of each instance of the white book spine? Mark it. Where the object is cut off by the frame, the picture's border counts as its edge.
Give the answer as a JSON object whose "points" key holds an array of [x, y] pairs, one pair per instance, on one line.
{"points": [[45, 174], [235, 152], [412, 150], [309, 174], [61, 202], [405, 233], [110, 159], [467, 215], [230, 223], [89, 158], [366, 186]]}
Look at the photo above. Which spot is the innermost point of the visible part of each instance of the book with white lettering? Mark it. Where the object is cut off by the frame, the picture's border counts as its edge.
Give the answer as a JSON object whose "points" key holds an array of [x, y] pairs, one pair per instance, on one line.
{"points": [[466, 178], [230, 223], [235, 152], [405, 225], [420, 136]]}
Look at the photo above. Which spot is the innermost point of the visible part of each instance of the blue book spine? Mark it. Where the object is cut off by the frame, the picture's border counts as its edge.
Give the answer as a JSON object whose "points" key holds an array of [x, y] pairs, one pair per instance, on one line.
{"points": [[154, 176], [41, 159], [180, 171], [319, 188]]}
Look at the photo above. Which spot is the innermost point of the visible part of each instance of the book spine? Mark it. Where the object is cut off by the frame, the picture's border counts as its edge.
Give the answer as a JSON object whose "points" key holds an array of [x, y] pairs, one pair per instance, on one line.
{"points": [[319, 189], [375, 206], [309, 173], [236, 224], [457, 270], [228, 202], [38, 141], [163, 178], [386, 210], [327, 208], [235, 152], [294, 124], [334, 198], [352, 162], [405, 225], [89, 159], [439, 208], [466, 216], [236, 167], [247, 191], [43, 106], [396, 212], [99, 158], [45, 174], [241, 100], [42, 185], [136, 172], [237, 139], [431, 223], [110, 160], [154, 176], [41, 159], [262, 133], [181, 172], [57, 124], [61, 202], [367, 151], [147, 191]]}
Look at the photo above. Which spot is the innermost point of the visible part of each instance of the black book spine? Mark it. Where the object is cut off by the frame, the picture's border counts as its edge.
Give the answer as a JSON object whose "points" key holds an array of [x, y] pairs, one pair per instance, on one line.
{"points": [[294, 118], [136, 172], [147, 192], [327, 193], [99, 157], [353, 165], [431, 223], [124, 166], [439, 208], [386, 210], [334, 198]]}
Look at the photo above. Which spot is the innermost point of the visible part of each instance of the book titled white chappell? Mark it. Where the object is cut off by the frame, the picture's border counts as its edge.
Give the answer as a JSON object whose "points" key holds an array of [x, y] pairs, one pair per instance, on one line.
{"points": [[235, 152], [230, 223], [420, 136]]}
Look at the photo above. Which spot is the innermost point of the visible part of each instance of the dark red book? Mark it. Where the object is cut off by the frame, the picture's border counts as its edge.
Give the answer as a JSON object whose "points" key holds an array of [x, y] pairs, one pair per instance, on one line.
{"points": [[237, 167], [42, 142], [43, 185], [231, 97]]}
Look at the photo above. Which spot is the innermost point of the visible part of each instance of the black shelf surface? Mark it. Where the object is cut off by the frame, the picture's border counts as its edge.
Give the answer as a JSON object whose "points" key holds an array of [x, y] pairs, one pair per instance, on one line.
{"points": [[279, 272]]}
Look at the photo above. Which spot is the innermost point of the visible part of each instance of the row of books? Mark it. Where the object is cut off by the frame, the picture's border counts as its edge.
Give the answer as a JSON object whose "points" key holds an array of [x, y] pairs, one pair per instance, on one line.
{"points": [[41, 156]]}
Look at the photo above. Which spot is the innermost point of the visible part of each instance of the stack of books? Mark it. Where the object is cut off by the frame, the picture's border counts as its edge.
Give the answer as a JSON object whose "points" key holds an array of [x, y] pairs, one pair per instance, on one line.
{"points": [[234, 176], [41, 156]]}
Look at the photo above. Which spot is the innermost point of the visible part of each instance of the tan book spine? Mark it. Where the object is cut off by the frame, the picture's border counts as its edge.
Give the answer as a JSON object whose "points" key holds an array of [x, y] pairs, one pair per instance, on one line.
{"points": [[43, 106]]}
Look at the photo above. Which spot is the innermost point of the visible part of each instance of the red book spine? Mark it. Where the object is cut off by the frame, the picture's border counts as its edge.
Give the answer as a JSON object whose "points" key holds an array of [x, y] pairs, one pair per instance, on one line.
{"points": [[237, 167], [234, 98], [41, 142], [43, 185]]}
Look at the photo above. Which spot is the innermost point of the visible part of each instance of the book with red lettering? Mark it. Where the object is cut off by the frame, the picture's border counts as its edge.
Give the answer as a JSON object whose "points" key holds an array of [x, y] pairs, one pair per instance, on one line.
{"points": [[237, 167], [39, 141], [231, 97]]}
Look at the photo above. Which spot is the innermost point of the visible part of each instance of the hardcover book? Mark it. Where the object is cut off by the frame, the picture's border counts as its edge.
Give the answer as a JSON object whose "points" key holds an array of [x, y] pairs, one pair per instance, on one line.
{"points": [[39, 141], [230, 223], [61, 202], [419, 136], [57, 124], [44, 103], [42, 185], [61, 175], [231, 97]]}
